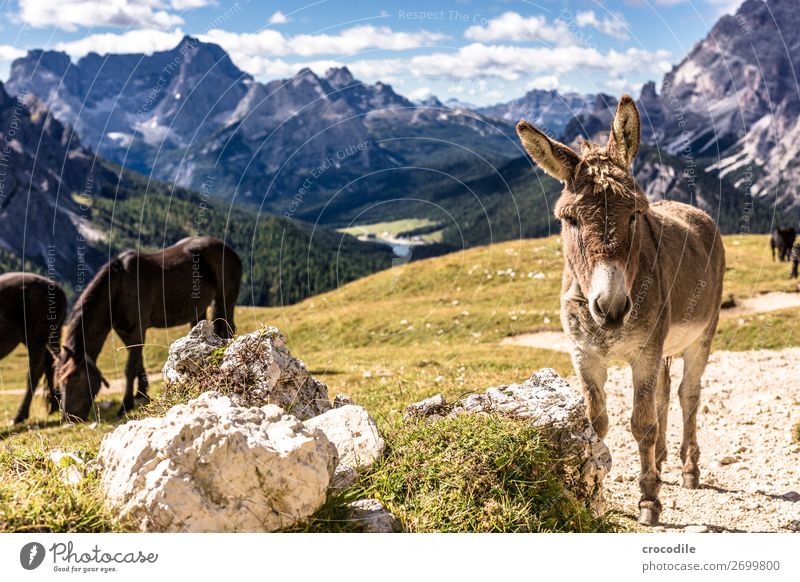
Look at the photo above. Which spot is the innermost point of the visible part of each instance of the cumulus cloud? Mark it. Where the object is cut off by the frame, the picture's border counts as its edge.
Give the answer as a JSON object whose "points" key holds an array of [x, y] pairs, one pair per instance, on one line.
{"points": [[513, 62], [514, 27], [614, 26], [9, 53], [278, 18], [545, 82], [133, 41], [420, 94], [349, 41], [71, 14]]}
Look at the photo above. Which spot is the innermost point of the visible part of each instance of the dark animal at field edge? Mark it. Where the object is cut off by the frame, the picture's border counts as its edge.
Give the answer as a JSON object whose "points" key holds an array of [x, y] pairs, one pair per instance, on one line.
{"points": [[782, 240], [795, 260], [134, 292], [641, 283], [32, 312]]}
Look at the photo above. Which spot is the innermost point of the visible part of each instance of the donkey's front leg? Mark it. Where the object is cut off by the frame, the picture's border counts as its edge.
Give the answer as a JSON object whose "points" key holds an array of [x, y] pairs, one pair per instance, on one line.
{"points": [[592, 371], [644, 425]]}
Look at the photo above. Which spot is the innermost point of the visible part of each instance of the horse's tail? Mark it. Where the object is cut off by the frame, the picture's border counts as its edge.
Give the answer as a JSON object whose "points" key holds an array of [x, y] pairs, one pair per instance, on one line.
{"points": [[229, 281]]}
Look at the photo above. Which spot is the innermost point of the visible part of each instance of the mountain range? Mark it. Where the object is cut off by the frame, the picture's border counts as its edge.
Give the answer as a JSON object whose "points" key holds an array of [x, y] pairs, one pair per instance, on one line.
{"points": [[334, 151]]}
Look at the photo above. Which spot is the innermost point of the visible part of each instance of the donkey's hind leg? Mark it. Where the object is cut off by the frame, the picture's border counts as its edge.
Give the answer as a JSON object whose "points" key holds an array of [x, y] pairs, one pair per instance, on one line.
{"points": [[695, 359], [662, 409]]}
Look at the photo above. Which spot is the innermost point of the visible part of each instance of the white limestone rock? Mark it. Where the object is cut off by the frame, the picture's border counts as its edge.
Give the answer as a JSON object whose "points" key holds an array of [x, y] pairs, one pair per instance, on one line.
{"points": [[354, 433], [212, 466]]}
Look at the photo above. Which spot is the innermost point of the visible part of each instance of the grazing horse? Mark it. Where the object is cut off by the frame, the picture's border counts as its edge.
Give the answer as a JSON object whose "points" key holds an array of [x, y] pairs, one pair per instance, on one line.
{"points": [[134, 292], [641, 283], [782, 239], [32, 311]]}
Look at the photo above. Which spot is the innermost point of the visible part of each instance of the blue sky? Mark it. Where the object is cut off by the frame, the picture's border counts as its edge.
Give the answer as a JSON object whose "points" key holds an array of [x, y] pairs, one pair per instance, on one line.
{"points": [[479, 51]]}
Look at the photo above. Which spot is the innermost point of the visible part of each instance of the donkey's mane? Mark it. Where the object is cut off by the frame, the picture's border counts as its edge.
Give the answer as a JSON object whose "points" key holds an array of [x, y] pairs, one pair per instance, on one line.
{"points": [[597, 172]]}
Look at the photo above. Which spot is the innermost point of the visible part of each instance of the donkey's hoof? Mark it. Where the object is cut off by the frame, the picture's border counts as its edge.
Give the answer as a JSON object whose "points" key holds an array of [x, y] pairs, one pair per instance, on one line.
{"points": [[690, 481], [648, 516]]}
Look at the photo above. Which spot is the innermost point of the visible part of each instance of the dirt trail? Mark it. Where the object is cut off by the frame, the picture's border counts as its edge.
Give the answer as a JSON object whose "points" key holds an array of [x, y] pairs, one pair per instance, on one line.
{"points": [[750, 468], [558, 341]]}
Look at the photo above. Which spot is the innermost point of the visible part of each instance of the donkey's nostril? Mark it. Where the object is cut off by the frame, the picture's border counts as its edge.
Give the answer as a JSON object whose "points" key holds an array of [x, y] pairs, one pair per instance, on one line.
{"points": [[628, 305]]}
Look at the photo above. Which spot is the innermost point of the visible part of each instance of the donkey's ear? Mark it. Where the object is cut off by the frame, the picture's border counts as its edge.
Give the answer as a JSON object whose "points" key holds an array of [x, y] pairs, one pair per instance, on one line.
{"points": [[623, 141], [553, 157]]}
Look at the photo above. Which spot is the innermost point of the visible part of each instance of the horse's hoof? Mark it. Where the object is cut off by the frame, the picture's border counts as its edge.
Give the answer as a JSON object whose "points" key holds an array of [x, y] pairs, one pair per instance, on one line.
{"points": [[143, 397], [122, 412], [19, 420], [690, 481], [648, 516]]}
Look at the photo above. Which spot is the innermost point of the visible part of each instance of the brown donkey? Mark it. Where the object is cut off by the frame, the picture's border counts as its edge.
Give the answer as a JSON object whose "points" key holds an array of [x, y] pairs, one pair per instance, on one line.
{"points": [[136, 291], [642, 283]]}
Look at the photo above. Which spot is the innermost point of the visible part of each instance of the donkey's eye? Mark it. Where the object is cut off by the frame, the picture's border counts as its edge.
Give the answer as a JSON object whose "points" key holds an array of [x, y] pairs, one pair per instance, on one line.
{"points": [[632, 219], [571, 220]]}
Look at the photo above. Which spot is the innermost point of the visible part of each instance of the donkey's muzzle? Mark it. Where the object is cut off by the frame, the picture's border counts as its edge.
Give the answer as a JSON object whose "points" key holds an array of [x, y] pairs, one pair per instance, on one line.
{"points": [[608, 314], [609, 302]]}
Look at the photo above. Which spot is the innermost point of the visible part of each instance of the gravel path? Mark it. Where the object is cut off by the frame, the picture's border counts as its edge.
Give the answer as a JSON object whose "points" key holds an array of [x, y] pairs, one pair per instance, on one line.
{"points": [[750, 468]]}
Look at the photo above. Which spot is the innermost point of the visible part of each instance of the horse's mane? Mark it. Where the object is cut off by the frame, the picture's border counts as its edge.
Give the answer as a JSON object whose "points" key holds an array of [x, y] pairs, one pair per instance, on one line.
{"points": [[93, 299]]}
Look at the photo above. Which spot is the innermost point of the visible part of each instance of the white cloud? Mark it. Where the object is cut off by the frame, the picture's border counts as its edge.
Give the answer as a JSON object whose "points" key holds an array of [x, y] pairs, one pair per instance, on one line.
{"points": [[614, 26], [278, 18], [420, 94], [545, 82], [349, 41], [133, 41], [513, 62], [512, 26], [9, 53], [71, 14], [189, 4]]}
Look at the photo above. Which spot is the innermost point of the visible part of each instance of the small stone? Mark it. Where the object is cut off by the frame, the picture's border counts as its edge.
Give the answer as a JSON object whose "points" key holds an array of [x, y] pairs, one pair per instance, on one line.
{"points": [[727, 460], [343, 478], [696, 529], [370, 516], [341, 400], [619, 479], [435, 405]]}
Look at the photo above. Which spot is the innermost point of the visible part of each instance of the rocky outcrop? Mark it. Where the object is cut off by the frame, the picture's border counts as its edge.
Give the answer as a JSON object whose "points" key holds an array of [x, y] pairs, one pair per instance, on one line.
{"points": [[549, 403], [255, 369], [213, 466], [263, 371], [354, 433], [189, 354]]}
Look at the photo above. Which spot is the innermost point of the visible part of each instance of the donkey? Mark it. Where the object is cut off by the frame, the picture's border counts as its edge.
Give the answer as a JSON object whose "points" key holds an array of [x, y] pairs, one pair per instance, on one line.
{"points": [[136, 291], [32, 311], [642, 283]]}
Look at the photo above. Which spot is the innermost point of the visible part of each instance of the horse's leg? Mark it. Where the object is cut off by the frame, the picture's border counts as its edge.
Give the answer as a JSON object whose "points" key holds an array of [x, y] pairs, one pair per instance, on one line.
{"points": [[662, 405], [141, 374], [52, 393], [35, 369], [134, 343], [644, 426], [592, 374], [695, 358]]}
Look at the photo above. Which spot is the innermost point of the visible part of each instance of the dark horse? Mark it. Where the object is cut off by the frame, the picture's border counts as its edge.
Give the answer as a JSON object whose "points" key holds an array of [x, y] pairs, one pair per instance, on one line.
{"points": [[782, 239], [32, 311], [134, 292]]}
